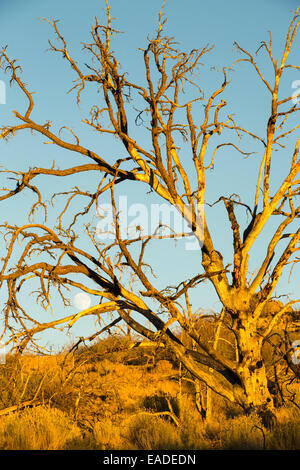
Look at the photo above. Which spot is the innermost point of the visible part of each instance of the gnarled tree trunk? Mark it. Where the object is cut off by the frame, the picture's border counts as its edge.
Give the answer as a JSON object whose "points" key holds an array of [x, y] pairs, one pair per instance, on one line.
{"points": [[252, 371]]}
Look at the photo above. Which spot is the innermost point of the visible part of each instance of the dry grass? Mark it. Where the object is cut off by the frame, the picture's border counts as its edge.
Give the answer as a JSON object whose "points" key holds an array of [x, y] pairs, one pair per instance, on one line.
{"points": [[148, 432], [95, 401], [39, 428]]}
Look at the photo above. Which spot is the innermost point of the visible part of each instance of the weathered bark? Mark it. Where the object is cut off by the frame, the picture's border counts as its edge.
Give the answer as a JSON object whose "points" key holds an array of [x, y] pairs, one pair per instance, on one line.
{"points": [[253, 375]]}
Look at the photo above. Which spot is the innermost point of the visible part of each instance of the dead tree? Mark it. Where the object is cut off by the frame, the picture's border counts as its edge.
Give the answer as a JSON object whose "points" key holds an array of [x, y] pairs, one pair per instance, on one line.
{"points": [[52, 254]]}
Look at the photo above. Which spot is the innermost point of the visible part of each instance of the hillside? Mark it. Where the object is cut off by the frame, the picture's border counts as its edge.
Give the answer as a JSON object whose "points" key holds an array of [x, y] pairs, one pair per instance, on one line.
{"points": [[115, 396]]}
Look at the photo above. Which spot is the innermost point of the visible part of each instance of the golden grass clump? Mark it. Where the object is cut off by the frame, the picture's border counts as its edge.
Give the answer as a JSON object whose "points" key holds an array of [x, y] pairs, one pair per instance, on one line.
{"points": [[148, 432], [38, 428]]}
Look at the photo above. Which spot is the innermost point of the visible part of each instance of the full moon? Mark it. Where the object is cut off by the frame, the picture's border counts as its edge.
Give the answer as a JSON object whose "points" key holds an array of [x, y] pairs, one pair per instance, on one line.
{"points": [[82, 301]]}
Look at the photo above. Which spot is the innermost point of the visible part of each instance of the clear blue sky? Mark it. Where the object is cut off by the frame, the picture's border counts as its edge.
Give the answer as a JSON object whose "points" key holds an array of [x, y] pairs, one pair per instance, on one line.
{"points": [[194, 23]]}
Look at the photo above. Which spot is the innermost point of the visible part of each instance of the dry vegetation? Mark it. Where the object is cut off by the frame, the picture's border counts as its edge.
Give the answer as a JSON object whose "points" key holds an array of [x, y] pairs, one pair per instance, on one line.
{"points": [[112, 396]]}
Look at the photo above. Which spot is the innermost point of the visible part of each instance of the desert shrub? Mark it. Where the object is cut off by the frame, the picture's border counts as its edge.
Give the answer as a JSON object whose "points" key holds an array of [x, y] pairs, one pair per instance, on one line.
{"points": [[161, 402], [212, 432], [148, 432], [39, 428], [242, 433], [86, 441], [107, 435], [247, 432], [112, 348], [191, 425], [104, 435], [286, 434], [104, 367]]}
